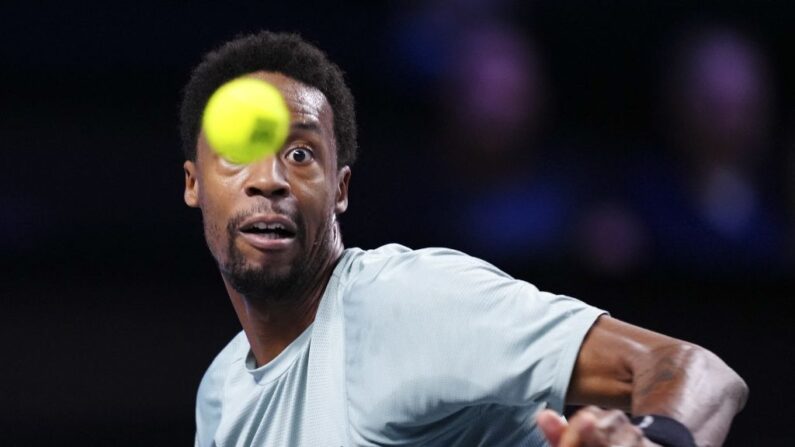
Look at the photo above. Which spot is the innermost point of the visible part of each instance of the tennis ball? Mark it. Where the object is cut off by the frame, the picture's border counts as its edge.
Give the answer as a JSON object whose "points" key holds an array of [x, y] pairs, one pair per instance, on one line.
{"points": [[246, 119]]}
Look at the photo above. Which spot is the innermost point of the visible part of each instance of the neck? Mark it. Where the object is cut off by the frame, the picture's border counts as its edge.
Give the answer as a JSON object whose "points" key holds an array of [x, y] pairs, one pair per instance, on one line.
{"points": [[272, 324]]}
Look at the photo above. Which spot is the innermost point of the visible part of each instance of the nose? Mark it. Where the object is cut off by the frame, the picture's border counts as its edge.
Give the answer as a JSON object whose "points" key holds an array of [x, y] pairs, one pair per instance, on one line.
{"points": [[267, 178]]}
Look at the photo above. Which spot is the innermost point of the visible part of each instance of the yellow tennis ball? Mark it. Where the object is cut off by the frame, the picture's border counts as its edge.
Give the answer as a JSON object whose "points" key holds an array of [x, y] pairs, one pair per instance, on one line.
{"points": [[246, 119]]}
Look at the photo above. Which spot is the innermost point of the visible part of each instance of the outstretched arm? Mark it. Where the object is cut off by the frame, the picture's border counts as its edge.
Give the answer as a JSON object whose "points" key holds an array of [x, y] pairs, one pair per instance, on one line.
{"points": [[629, 368]]}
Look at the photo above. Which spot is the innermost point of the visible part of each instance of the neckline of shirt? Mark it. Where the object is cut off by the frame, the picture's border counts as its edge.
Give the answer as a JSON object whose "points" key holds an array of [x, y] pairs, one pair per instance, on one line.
{"points": [[281, 363], [274, 369]]}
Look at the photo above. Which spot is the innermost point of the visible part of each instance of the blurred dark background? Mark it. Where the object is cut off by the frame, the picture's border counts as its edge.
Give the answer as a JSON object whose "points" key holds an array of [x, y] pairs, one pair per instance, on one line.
{"points": [[639, 155]]}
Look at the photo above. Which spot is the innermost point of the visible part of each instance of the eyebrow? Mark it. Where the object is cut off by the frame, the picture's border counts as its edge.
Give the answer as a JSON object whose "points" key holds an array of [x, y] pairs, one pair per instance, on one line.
{"points": [[310, 126]]}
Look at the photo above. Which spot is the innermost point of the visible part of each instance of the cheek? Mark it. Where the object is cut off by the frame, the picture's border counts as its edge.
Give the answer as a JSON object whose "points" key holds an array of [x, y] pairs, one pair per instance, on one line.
{"points": [[212, 225], [316, 196], [214, 231], [217, 193], [214, 216]]}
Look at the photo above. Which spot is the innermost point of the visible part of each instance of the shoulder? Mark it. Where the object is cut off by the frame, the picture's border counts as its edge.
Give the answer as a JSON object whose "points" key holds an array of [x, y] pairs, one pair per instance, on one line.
{"points": [[236, 349], [209, 399], [397, 262], [211, 386], [394, 284], [395, 278]]}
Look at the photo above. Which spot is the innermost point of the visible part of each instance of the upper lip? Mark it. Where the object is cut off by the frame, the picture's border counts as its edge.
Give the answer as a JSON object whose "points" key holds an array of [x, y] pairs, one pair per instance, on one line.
{"points": [[273, 219]]}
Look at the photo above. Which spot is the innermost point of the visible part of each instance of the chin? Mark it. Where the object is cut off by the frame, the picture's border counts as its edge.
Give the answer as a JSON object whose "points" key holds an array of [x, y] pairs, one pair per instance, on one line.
{"points": [[271, 271], [260, 282], [262, 275]]}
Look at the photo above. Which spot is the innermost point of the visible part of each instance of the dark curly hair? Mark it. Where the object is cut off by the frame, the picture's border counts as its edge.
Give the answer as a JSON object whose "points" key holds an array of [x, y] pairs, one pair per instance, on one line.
{"points": [[285, 53]]}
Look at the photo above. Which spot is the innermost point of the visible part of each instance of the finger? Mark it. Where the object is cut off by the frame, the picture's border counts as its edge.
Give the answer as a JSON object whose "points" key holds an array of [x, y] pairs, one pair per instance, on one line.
{"points": [[628, 438], [611, 422], [552, 425], [580, 428], [614, 428], [622, 432]]}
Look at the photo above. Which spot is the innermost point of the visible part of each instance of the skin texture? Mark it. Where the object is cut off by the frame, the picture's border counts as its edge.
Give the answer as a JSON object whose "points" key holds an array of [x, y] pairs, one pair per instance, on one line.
{"points": [[275, 292], [635, 370]]}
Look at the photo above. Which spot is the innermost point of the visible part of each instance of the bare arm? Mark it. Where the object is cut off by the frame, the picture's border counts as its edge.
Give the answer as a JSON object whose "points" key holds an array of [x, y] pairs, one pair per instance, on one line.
{"points": [[637, 370]]}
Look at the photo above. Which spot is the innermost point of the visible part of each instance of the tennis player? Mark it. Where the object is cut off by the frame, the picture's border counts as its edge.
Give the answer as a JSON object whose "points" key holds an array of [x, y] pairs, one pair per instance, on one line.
{"points": [[394, 346]]}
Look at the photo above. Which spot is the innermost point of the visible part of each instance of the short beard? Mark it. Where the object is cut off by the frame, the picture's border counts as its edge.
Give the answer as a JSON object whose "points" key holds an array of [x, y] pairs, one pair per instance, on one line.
{"points": [[260, 284]]}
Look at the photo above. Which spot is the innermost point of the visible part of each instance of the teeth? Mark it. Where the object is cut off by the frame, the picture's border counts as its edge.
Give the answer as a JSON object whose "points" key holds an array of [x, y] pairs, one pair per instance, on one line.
{"points": [[266, 226]]}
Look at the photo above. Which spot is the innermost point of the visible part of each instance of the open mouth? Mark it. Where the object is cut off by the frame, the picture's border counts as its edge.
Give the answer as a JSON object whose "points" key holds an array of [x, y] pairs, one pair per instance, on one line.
{"points": [[268, 230]]}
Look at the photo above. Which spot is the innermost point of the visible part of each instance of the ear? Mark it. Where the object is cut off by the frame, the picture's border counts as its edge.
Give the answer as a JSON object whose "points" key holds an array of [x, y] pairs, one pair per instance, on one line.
{"points": [[191, 185], [344, 178]]}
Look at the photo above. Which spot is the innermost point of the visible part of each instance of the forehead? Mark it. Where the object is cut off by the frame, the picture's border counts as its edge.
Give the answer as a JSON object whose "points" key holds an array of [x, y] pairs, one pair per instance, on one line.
{"points": [[307, 104]]}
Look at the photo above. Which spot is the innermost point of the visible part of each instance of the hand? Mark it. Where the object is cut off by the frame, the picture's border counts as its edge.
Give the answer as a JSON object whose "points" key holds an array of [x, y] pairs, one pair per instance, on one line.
{"points": [[591, 427]]}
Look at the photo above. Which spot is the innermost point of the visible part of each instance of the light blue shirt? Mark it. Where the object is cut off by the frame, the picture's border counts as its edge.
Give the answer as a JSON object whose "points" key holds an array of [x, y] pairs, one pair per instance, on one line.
{"points": [[409, 347]]}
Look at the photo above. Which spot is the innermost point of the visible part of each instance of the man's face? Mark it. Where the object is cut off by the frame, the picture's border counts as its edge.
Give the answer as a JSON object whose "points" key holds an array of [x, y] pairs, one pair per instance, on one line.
{"points": [[272, 222]]}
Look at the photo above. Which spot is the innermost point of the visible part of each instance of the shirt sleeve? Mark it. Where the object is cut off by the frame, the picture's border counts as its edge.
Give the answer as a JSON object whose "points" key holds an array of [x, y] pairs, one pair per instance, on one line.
{"points": [[431, 331]]}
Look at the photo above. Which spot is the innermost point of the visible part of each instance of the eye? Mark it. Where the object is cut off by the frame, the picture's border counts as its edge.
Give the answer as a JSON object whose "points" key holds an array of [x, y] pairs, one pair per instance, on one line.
{"points": [[300, 155]]}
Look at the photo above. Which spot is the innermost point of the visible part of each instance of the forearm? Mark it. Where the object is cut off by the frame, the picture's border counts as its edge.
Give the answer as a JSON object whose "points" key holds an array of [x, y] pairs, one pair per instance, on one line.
{"points": [[690, 384]]}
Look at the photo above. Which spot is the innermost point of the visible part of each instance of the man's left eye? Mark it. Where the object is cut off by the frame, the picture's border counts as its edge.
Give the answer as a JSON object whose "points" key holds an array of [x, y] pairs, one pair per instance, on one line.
{"points": [[300, 155]]}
